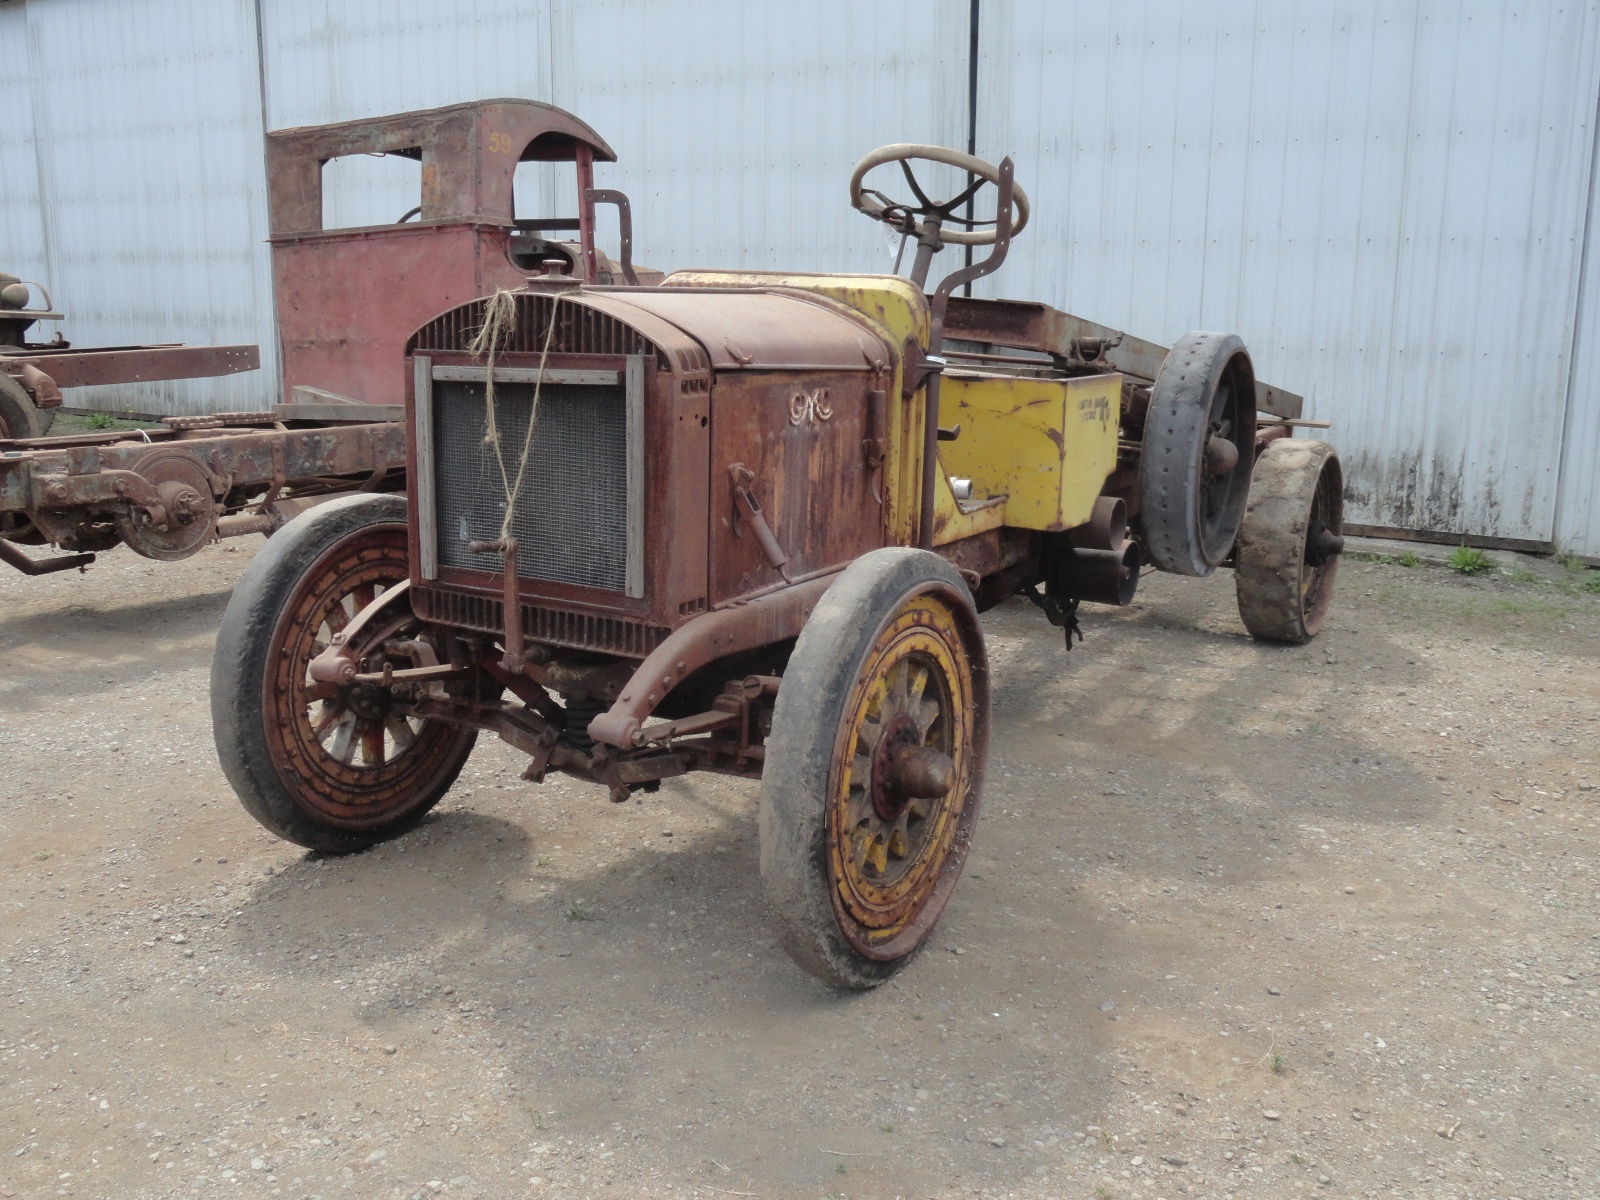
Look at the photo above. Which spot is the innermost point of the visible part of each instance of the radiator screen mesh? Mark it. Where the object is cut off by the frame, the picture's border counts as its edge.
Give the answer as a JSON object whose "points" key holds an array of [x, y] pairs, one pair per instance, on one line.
{"points": [[571, 518]]}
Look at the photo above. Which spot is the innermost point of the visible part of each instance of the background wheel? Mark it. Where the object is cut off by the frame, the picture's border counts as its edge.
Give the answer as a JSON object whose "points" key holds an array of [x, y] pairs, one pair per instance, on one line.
{"points": [[18, 417], [185, 491], [1291, 540], [1199, 438], [874, 769], [330, 768]]}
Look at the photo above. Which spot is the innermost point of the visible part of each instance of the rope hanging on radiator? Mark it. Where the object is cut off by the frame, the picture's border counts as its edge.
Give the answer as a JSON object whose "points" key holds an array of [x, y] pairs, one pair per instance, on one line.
{"points": [[499, 318]]}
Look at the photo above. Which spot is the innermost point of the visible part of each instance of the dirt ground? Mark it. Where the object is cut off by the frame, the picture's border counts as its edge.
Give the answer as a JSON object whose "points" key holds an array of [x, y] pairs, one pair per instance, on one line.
{"points": [[1242, 920]]}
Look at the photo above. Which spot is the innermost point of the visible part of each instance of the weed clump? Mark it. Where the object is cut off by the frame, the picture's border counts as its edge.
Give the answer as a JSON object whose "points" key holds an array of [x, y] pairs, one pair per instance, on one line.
{"points": [[1469, 560]]}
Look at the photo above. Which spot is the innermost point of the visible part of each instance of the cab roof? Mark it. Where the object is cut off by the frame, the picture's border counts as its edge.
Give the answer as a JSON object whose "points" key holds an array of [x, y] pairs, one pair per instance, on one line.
{"points": [[469, 153]]}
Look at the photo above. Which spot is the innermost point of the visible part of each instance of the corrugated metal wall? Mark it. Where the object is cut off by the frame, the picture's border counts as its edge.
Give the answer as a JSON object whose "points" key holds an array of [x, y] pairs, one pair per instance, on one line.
{"points": [[21, 217], [1577, 525], [735, 125], [1388, 201], [147, 131]]}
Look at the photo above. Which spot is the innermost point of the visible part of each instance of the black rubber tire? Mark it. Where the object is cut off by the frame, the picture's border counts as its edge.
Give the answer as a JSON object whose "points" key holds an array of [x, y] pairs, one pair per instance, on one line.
{"points": [[18, 416], [1284, 583], [243, 669], [798, 779], [1189, 517]]}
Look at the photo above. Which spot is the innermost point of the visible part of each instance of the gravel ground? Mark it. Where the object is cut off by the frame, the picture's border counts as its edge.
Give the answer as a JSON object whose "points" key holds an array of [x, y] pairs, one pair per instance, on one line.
{"points": [[1241, 921]]}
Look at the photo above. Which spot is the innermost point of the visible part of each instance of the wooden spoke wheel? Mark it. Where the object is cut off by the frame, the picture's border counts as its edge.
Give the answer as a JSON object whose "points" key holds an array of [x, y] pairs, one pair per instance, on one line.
{"points": [[1291, 541], [875, 766], [329, 767]]}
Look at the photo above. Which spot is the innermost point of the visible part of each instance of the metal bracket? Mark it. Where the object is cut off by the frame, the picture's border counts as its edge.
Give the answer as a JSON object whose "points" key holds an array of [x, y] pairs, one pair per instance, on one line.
{"points": [[593, 196], [745, 505], [514, 661]]}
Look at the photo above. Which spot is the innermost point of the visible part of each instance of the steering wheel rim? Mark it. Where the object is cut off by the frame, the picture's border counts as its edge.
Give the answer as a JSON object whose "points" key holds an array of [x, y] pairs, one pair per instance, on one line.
{"points": [[902, 152]]}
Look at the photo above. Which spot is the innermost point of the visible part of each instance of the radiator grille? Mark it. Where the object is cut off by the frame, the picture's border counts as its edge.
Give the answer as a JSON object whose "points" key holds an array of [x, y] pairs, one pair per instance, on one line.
{"points": [[571, 516], [580, 631], [579, 330]]}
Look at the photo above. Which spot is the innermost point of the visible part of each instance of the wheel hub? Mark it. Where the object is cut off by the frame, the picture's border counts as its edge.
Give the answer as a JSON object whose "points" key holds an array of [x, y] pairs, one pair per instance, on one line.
{"points": [[367, 702], [1322, 544], [903, 769]]}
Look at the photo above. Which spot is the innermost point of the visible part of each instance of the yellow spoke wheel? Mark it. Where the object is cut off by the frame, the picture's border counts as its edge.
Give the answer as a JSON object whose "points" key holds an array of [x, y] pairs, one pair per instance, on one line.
{"points": [[874, 769]]}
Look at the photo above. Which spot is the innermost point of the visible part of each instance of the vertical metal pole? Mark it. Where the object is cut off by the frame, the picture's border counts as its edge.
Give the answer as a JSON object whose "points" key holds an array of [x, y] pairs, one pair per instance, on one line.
{"points": [[972, 121], [591, 271]]}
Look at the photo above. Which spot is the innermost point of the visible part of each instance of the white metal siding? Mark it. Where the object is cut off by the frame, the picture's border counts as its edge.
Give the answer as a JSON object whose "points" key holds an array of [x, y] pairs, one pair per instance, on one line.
{"points": [[1386, 201], [736, 125], [1578, 504], [148, 128], [21, 222]]}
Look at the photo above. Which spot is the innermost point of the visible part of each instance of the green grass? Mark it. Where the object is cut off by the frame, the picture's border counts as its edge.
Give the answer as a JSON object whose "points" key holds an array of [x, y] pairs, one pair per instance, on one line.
{"points": [[1410, 559], [1469, 560], [1278, 1063], [71, 421], [1520, 575]]}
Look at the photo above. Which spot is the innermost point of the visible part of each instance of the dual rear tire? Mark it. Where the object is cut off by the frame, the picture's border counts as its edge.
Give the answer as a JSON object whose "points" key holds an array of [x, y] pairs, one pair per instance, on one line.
{"points": [[1205, 495]]}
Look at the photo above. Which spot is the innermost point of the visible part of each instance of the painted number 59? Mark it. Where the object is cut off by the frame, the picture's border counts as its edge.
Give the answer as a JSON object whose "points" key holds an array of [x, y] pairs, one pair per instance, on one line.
{"points": [[499, 143]]}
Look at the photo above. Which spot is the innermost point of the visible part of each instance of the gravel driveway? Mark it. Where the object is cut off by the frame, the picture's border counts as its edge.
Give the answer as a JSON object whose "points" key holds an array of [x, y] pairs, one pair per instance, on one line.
{"points": [[1241, 920]]}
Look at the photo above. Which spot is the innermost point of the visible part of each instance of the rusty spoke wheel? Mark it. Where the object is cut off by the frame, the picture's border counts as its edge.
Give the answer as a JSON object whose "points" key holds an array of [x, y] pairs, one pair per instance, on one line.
{"points": [[330, 767], [875, 766], [1291, 541]]}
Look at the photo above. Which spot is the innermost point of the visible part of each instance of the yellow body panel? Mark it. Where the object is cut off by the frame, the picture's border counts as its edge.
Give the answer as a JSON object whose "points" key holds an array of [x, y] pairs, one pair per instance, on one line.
{"points": [[1046, 445], [1037, 450], [955, 520], [900, 310]]}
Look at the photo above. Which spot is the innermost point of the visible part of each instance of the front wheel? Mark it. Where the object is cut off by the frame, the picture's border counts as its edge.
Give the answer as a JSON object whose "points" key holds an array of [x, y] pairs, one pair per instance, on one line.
{"points": [[329, 767], [874, 769]]}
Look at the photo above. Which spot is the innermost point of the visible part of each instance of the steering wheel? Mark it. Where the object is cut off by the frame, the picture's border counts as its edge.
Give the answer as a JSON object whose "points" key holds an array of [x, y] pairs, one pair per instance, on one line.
{"points": [[902, 216]]}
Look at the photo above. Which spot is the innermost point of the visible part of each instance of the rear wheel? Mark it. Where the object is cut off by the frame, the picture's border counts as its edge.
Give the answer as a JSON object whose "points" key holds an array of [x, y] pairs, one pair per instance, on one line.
{"points": [[1199, 437], [330, 767], [874, 769], [1290, 541]]}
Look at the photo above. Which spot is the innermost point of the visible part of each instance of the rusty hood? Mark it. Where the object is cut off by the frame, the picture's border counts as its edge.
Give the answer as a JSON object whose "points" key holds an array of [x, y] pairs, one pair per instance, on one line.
{"points": [[750, 330]]}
